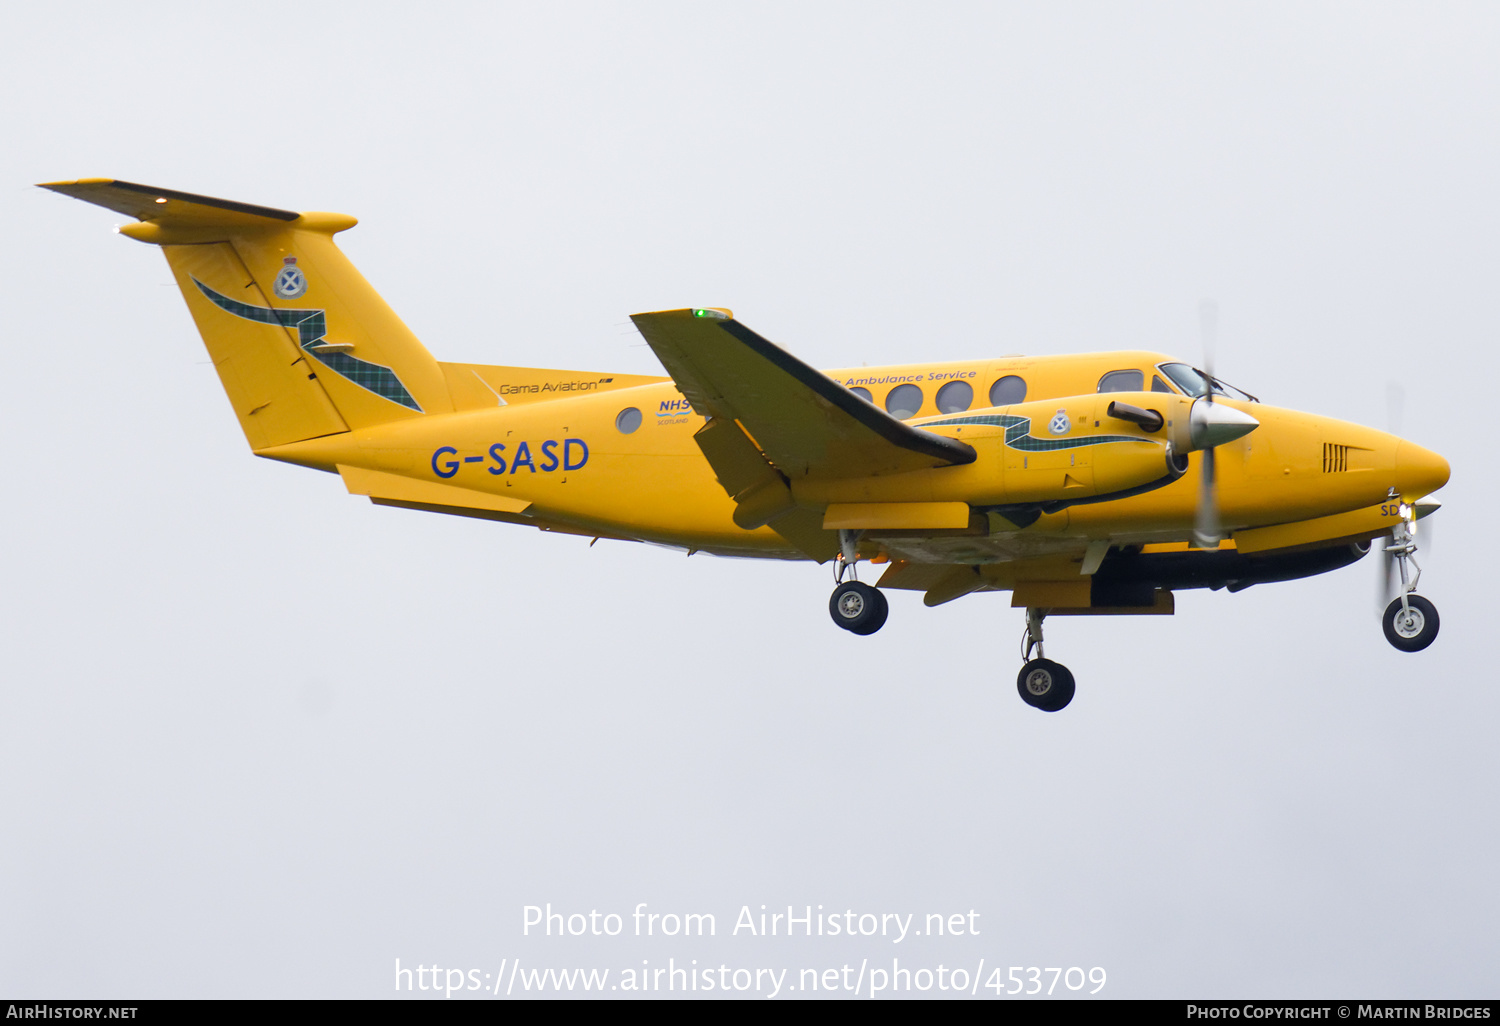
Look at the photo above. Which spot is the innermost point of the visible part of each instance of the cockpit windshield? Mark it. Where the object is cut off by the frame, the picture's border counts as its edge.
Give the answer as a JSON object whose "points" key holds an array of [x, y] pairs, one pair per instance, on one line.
{"points": [[1196, 383]]}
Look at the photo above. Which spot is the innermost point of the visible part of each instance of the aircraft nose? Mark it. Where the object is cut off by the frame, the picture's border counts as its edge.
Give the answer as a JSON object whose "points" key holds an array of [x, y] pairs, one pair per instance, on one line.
{"points": [[1419, 471]]}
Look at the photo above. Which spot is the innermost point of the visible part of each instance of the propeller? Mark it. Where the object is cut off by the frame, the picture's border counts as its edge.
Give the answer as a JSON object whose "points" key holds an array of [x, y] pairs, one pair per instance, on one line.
{"points": [[1207, 530], [1395, 405], [1207, 426], [1212, 425], [1395, 401], [1386, 584], [1417, 524], [1389, 582]]}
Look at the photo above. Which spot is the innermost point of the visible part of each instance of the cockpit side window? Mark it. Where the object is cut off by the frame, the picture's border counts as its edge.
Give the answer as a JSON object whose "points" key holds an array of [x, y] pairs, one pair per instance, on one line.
{"points": [[1158, 385], [1186, 378], [1196, 383], [1123, 381]]}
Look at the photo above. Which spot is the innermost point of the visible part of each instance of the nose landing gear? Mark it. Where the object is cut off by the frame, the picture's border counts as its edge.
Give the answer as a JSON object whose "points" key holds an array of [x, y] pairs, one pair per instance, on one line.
{"points": [[1042, 683], [1410, 622]]}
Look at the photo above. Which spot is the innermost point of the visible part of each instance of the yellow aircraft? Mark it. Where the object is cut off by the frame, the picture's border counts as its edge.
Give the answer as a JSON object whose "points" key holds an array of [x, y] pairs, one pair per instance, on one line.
{"points": [[1069, 481]]}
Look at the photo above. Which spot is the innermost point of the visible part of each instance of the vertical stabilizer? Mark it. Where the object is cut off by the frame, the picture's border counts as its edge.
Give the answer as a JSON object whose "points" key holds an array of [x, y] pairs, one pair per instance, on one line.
{"points": [[302, 343]]}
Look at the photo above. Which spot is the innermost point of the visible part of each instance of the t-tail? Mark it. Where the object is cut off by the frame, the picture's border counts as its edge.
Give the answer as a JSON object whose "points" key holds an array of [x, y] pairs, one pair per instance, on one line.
{"points": [[302, 343]]}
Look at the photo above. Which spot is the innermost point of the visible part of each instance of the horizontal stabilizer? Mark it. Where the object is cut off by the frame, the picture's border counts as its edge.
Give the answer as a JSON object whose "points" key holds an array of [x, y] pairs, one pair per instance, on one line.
{"points": [[380, 485], [149, 203]]}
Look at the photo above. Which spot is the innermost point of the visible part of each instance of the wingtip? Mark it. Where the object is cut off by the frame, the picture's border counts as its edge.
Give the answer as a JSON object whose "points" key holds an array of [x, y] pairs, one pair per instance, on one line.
{"points": [[716, 313], [77, 181]]}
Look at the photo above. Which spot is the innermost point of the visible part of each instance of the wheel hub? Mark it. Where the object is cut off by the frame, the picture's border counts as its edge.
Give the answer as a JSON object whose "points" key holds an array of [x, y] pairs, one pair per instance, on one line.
{"points": [[851, 605], [1039, 682], [1409, 624]]}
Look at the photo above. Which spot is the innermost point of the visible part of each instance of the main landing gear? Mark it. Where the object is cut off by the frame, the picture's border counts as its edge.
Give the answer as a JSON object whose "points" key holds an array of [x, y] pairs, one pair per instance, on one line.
{"points": [[1042, 683], [857, 608], [1410, 621]]}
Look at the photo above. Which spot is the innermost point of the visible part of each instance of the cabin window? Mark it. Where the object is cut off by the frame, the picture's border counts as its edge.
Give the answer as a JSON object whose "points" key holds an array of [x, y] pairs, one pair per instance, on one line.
{"points": [[863, 393], [904, 401], [628, 420], [955, 397], [1123, 381], [1008, 391]]}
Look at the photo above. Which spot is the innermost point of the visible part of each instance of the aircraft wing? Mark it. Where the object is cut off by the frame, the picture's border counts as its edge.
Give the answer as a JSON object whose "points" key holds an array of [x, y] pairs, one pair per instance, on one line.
{"points": [[802, 420]]}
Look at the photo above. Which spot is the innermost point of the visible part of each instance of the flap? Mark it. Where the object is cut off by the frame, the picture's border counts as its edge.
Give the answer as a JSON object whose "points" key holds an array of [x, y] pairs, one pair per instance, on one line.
{"points": [[897, 516]]}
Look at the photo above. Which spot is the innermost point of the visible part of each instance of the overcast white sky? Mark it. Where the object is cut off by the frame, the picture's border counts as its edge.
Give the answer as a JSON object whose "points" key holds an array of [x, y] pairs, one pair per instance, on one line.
{"points": [[261, 738]]}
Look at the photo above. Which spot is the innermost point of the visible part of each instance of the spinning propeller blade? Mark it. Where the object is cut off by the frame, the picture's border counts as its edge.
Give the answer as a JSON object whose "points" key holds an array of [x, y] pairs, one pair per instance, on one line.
{"points": [[1385, 584], [1395, 406], [1207, 530]]}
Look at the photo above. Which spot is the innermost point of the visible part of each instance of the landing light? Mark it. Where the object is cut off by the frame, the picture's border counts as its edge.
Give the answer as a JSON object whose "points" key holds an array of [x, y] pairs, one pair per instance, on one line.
{"points": [[1409, 514], [161, 199]]}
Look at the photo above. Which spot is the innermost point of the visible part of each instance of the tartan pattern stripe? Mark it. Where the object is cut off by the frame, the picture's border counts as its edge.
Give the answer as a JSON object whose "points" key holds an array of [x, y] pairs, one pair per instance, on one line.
{"points": [[311, 327], [1018, 433]]}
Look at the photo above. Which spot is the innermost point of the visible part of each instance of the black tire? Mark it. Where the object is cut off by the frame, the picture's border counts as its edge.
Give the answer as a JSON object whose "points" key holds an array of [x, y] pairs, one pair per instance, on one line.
{"points": [[1413, 633], [1045, 685], [858, 608]]}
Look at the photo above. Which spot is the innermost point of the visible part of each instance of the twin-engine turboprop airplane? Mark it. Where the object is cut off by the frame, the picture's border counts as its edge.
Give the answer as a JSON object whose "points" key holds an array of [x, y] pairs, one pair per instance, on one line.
{"points": [[1069, 481]]}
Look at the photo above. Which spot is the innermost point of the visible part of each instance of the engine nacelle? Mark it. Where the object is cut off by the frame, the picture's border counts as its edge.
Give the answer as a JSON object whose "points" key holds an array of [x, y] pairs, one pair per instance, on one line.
{"points": [[1052, 451]]}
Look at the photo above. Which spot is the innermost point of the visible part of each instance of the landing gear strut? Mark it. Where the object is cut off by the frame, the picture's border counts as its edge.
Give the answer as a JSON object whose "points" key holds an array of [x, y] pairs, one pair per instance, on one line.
{"points": [[1042, 683], [857, 608], [1410, 621]]}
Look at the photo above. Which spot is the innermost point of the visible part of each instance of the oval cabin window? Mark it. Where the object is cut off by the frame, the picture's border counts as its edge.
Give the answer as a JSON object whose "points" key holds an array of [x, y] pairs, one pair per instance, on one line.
{"points": [[1008, 391], [904, 401], [955, 397]]}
